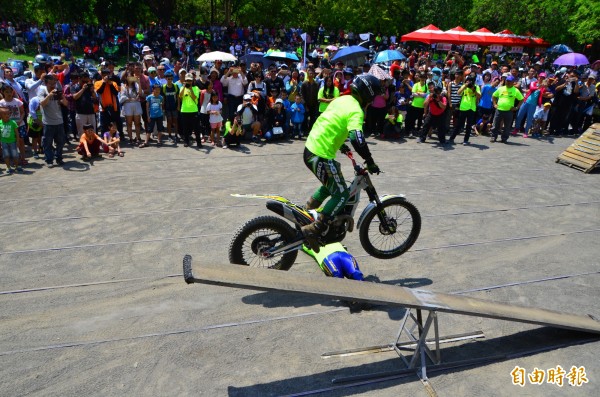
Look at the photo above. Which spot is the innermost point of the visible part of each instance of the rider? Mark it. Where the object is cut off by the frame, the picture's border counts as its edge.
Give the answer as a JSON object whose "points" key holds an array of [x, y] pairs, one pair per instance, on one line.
{"points": [[342, 118], [335, 261]]}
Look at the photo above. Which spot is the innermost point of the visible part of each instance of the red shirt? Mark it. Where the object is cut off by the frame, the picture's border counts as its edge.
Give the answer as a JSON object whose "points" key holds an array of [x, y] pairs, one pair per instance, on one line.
{"points": [[434, 108]]}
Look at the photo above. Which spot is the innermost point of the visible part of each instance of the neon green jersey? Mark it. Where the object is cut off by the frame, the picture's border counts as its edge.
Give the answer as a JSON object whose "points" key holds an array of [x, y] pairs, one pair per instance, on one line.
{"points": [[333, 126], [506, 97]]}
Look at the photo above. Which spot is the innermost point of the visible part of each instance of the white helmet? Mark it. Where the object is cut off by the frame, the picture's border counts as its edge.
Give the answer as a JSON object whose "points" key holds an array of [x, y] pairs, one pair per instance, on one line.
{"points": [[165, 61]]}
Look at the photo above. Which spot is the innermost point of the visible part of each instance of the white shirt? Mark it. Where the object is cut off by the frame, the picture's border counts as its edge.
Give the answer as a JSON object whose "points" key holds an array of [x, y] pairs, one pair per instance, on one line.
{"points": [[235, 85]]}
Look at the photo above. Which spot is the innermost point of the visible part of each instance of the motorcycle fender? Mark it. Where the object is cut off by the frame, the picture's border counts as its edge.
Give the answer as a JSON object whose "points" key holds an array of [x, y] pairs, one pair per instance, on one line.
{"points": [[291, 212], [372, 207]]}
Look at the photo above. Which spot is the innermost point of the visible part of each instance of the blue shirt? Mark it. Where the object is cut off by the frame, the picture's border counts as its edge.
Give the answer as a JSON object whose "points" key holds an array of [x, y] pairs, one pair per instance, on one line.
{"points": [[486, 96], [154, 103], [297, 113]]}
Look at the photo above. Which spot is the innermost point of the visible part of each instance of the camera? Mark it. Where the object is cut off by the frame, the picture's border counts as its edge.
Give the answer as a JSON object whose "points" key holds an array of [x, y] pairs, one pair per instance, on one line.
{"points": [[188, 85], [58, 94]]}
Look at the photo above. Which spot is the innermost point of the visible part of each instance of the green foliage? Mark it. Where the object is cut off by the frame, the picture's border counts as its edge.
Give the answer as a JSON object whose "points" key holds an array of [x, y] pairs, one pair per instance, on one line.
{"points": [[565, 21], [585, 21]]}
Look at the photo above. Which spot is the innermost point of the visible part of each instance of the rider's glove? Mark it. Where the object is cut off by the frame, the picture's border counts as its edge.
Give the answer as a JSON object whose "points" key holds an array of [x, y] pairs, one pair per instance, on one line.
{"points": [[345, 149], [372, 167]]}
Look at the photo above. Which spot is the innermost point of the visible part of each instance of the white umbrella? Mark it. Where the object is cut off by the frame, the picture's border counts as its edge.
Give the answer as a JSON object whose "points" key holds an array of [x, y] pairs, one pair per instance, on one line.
{"points": [[216, 56]]}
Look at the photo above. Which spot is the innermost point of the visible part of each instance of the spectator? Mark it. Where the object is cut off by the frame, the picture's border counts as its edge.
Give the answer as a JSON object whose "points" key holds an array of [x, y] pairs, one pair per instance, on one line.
{"points": [[170, 92], [214, 109], [310, 95], [35, 127], [108, 92], [130, 99], [90, 143], [436, 104], [248, 118], [188, 97], [298, 112], [235, 83], [8, 138], [68, 91], [415, 111], [470, 94], [532, 99], [50, 100], [112, 139], [204, 115], [85, 98], [327, 94], [276, 122], [14, 106], [507, 100], [539, 119], [155, 109]]}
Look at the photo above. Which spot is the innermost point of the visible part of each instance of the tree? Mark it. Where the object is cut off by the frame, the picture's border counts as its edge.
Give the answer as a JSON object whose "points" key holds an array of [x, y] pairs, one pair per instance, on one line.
{"points": [[585, 21]]}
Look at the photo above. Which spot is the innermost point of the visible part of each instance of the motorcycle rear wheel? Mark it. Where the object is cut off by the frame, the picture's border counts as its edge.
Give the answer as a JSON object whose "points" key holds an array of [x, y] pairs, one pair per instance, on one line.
{"points": [[258, 235], [405, 219]]}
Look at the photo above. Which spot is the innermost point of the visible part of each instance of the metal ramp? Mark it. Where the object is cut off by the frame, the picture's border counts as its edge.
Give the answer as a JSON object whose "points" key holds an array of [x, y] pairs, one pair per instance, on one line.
{"points": [[413, 329]]}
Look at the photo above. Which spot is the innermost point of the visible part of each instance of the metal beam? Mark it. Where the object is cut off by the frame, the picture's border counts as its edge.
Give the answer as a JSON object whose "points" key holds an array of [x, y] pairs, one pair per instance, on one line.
{"points": [[269, 280]]}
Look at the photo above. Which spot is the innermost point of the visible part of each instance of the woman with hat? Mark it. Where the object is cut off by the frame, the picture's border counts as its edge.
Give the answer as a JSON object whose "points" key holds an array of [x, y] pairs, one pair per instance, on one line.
{"points": [[188, 96]]}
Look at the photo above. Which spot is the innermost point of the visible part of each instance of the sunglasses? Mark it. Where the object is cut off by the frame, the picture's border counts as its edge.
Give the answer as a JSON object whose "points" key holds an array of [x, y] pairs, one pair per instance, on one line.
{"points": [[161, 69]]}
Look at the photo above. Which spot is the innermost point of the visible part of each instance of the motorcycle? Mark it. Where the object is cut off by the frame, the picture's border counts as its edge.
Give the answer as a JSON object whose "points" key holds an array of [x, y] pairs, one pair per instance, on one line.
{"points": [[388, 226]]}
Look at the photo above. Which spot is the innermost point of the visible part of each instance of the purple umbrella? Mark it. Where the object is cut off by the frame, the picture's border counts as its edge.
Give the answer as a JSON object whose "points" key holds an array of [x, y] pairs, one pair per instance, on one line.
{"points": [[571, 59]]}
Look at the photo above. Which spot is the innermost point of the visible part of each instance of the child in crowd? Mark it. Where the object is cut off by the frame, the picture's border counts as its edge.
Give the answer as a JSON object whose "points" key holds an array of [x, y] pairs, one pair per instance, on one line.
{"points": [[155, 109], [483, 125], [36, 127], [287, 107], [90, 143], [8, 138], [112, 139], [297, 116], [17, 114], [215, 118], [393, 123], [539, 119]]}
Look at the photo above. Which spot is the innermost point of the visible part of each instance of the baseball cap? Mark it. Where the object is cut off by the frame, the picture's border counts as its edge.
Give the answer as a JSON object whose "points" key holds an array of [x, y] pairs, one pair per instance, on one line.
{"points": [[279, 100], [349, 71], [247, 97], [169, 73], [506, 74], [542, 74], [510, 78], [547, 104], [189, 77], [151, 69]]}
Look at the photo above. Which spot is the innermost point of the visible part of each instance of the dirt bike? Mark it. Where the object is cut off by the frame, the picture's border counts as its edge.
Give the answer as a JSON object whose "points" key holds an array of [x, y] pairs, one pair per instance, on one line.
{"points": [[388, 226]]}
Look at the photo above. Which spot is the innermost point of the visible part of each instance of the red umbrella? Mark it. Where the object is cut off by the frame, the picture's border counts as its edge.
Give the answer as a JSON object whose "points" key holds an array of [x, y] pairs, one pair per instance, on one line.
{"points": [[513, 39], [430, 34]]}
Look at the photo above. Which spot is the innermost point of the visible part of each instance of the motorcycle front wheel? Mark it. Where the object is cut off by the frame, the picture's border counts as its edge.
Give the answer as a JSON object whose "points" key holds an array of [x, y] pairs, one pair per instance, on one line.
{"points": [[259, 235], [391, 231]]}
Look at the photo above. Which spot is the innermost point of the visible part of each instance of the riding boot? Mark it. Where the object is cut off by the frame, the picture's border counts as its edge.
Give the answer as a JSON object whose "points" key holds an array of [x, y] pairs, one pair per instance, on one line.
{"points": [[312, 204], [313, 231]]}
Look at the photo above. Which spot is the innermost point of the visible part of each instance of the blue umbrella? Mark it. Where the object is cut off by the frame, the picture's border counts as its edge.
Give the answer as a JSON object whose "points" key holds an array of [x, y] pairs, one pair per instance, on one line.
{"points": [[282, 56], [389, 55], [254, 57], [354, 51], [559, 49]]}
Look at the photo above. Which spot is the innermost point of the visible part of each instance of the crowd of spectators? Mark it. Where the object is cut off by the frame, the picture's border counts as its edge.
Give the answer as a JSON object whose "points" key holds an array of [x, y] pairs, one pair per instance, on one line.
{"points": [[171, 98]]}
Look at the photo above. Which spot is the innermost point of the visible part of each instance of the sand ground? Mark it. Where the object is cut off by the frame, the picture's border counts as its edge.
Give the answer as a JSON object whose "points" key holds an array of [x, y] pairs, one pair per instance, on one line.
{"points": [[93, 303]]}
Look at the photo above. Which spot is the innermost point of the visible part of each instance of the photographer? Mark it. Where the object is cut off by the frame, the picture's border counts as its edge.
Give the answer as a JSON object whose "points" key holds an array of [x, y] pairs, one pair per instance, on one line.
{"points": [[470, 94], [50, 100], [188, 96], [85, 97], [436, 104], [235, 81]]}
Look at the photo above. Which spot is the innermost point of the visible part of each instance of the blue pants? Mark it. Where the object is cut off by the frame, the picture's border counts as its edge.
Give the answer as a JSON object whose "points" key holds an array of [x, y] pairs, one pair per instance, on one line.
{"points": [[53, 134], [526, 110], [341, 264]]}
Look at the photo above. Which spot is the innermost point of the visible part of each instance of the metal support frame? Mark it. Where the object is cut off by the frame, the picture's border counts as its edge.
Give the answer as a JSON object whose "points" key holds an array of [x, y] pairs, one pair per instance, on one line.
{"points": [[411, 337]]}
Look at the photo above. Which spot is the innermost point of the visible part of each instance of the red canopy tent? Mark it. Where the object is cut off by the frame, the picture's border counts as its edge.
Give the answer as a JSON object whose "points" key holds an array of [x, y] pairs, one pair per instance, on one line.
{"points": [[466, 37], [430, 34], [513, 39]]}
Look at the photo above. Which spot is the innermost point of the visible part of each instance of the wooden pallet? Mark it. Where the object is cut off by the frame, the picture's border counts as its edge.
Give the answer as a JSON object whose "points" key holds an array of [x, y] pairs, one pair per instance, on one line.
{"points": [[584, 152]]}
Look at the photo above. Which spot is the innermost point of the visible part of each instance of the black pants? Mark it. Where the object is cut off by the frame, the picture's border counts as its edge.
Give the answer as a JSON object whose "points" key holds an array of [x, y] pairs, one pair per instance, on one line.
{"points": [[469, 117], [204, 124], [109, 115], [232, 104], [189, 123], [375, 120], [413, 115], [437, 122]]}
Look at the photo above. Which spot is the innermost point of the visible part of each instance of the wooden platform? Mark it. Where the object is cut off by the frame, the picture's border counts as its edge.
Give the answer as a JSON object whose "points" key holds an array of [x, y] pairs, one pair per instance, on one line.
{"points": [[390, 295], [584, 152]]}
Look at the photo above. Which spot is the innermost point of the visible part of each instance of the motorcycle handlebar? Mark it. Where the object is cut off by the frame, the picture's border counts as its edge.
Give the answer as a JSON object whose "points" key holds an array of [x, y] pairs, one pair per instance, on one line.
{"points": [[359, 169]]}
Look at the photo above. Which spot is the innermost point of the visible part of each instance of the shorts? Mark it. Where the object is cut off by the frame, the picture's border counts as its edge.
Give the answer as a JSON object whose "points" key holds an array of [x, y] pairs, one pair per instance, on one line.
{"points": [[9, 150], [132, 109], [171, 113], [22, 131], [216, 126]]}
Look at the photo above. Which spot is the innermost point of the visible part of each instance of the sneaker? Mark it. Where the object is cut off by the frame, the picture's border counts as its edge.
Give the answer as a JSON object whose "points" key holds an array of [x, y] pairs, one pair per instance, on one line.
{"points": [[420, 140], [49, 165], [492, 139], [19, 169], [10, 171], [466, 143], [514, 132], [525, 135], [36, 156], [60, 162]]}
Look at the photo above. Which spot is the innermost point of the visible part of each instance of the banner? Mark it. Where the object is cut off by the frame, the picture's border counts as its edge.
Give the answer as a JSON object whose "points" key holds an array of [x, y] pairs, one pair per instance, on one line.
{"points": [[306, 37], [443, 46], [365, 36], [516, 50], [471, 47], [495, 48], [540, 50]]}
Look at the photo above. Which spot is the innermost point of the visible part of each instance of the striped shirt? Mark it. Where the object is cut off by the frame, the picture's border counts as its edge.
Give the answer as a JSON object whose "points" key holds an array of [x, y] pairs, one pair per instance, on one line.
{"points": [[454, 96]]}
